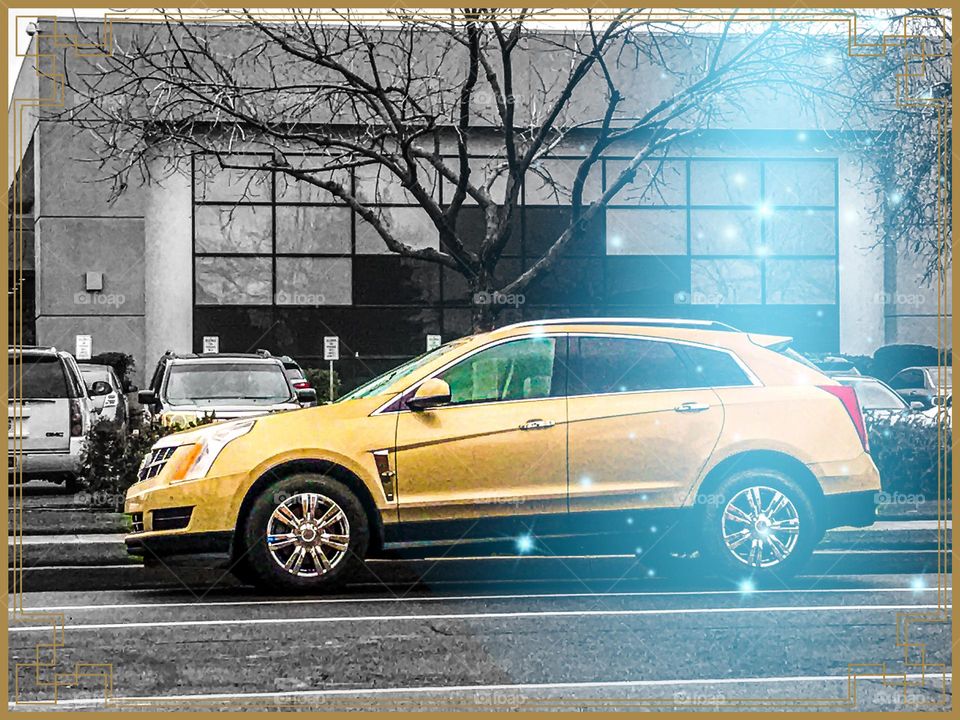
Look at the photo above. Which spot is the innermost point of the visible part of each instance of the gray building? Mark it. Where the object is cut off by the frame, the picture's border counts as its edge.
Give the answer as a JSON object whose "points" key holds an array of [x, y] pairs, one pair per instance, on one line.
{"points": [[764, 222]]}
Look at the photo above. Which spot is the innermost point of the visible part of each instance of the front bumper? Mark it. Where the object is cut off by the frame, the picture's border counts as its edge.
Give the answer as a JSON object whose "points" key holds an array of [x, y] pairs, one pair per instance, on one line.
{"points": [[205, 549]]}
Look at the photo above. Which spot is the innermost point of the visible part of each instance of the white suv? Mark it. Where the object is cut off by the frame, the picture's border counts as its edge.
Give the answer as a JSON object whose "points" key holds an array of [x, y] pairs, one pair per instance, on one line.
{"points": [[49, 412]]}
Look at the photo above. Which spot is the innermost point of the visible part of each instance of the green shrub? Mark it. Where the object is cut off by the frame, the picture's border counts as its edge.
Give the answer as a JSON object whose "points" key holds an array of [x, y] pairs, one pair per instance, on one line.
{"points": [[320, 380], [906, 448], [112, 457]]}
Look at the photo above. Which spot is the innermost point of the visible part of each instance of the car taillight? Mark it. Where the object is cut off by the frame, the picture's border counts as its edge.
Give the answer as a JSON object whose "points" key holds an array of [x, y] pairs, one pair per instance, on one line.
{"points": [[301, 384], [76, 418], [848, 396]]}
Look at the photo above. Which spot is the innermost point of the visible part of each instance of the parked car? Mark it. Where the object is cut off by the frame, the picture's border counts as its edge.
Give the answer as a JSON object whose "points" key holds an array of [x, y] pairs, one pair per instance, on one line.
{"points": [[49, 412], [223, 386], [836, 366], [923, 384], [113, 405], [296, 376], [875, 395], [571, 426]]}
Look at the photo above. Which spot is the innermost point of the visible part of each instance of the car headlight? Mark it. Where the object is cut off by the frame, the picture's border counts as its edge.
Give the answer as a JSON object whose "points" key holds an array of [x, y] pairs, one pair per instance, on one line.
{"points": [[196, 464]]}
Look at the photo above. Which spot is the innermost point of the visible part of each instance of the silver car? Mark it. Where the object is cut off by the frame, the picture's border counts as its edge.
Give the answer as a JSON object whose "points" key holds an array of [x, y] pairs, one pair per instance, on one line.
{"points": [[49, 413]]}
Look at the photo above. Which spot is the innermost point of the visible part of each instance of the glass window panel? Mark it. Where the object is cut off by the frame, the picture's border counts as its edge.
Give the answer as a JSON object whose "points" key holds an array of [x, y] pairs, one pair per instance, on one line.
{"points": [[394, 280], [293, 189], [214, 183], [550, 182], [644, 280], [517, 370], [657, 182], [411, 226], [800, 182], [712, 368], [801, 282], [724, 232], [544, 225], [721, 182], [314, 281], [725, 282], [801, 232], [646, 232], [233, 280], [233, 229], [376, 184], [313, 229]]}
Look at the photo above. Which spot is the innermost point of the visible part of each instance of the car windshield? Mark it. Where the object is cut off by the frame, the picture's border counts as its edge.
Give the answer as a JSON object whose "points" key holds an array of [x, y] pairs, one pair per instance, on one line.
{"points": [[875, 396], [207, 383], [377, 385], [42, 377]]}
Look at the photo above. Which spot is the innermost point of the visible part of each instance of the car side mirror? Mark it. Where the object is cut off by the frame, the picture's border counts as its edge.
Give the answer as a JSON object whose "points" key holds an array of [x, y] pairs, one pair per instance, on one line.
{"points": [[917, 405], [100, 387], [306, 396], [146, 397], [431, 393]]}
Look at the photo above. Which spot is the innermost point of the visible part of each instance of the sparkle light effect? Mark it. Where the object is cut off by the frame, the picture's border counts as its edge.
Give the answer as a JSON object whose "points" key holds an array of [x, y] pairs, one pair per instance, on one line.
{"points": [[917, 584], [524, 544], [765, 209], [739, 178], [747, 586], [730, 232], [802, 136], [894, 198], [586, 481], [616, 241]]}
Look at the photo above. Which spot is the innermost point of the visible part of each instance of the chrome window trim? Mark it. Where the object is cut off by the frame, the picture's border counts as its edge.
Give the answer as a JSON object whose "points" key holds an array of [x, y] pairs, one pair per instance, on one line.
{"points": [[754, 381]]}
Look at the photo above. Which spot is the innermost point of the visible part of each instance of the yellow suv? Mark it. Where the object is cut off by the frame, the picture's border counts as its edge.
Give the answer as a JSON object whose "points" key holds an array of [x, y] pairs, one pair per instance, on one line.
{"points": [[555, 426]]}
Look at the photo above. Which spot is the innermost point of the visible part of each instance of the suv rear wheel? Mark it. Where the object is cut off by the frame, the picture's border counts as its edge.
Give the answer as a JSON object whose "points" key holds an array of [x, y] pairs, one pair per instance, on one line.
{"points": [[759, 526], [306, 532]]}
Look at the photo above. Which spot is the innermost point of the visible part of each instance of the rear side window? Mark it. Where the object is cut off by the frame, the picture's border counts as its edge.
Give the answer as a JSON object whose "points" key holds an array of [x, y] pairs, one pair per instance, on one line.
{"points": [[38, 378], [611, 365], [713, 368]]}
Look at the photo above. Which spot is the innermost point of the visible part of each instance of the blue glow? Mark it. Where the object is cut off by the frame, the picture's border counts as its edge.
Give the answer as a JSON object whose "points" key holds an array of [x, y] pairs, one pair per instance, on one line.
{"points": [[739, 178], [765, 210], [586, 481], [653, 528], [730, 232], [524, 544], [650, 572], [802, 136], [762, 251], [629, 521], [639, 551], [895, 198], [616, 241], [917, 584], [747, 586]]}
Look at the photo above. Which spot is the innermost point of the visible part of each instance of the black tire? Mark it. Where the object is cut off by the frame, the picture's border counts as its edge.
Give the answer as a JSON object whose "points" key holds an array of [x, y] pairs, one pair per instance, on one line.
{"points": [[725, 561], [262, 566]]}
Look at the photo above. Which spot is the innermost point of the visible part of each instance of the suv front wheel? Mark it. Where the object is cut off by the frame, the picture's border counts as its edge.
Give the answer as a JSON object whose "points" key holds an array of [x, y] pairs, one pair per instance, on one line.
{"points": [[759, 526], [305, 533]]}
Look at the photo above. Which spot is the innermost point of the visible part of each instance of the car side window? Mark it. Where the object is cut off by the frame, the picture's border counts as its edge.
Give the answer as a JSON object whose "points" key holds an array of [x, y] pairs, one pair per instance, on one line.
{"points": [[713, 368], [516, 370], [907, 379], [611, 365]]}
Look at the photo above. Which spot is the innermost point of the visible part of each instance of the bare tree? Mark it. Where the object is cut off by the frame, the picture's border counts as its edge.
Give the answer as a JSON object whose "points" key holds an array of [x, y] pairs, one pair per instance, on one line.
{"points": [[409, 98]]}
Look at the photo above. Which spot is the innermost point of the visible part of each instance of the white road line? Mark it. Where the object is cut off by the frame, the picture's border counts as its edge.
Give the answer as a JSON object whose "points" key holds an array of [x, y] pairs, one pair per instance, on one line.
{"points": [[458, 598], [475, 616], [433, 689]]}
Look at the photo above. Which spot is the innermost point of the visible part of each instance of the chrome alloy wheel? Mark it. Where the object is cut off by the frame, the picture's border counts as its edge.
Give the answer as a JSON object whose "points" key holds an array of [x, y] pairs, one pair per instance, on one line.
{"points": [[308, 534], [761, 526]]}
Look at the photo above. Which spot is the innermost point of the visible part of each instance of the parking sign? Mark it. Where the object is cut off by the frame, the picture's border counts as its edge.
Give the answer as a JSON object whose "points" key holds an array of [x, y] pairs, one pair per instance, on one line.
{"points": [[331, 347]]}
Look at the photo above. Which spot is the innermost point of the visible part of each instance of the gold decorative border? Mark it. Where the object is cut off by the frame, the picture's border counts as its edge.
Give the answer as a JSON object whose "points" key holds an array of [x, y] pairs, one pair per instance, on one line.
{"points": [[45, 660]]}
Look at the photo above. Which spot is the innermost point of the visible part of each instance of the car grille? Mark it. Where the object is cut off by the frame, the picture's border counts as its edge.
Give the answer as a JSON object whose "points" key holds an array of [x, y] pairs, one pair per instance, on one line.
{"points": [[171, 518], [136, 522], [154, 461]]}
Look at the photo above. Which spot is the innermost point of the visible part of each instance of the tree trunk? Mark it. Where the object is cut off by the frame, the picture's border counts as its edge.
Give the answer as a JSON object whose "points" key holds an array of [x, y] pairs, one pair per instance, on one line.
{"points": [[483, 303]]}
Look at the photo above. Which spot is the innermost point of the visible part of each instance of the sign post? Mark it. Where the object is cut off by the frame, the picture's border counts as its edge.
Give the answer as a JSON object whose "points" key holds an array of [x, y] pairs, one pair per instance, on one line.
{"points": [[331, 352], [211, 344], [433, 342]]}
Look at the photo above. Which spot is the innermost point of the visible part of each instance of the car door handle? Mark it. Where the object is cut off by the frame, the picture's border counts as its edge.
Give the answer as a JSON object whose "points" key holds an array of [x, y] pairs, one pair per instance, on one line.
{"points": [[689, 407], [537, 424]]}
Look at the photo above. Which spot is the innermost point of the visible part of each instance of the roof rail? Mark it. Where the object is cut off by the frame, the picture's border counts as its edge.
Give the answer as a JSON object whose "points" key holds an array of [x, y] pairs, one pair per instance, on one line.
{"points": [[648, 322]]}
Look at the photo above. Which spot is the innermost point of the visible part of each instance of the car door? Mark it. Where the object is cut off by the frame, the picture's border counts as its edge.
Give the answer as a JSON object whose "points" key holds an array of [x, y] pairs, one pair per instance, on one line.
{"points": [[498, 449], [641, 424]]}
